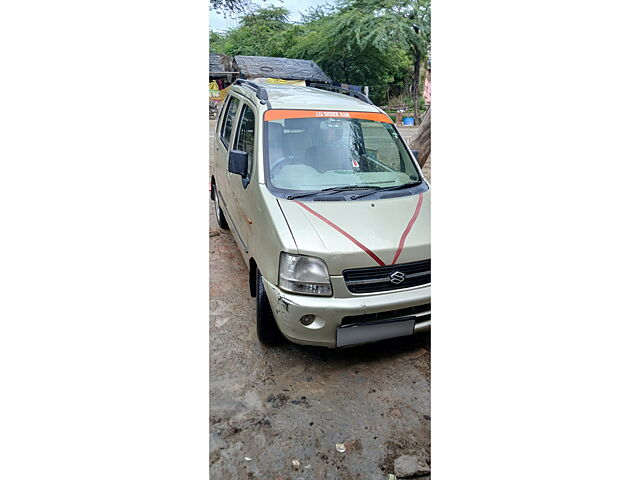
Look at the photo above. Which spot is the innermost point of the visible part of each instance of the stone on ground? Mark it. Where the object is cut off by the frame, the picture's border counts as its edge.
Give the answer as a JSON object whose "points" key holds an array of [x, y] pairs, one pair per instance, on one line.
{"points": [[407, 466]]}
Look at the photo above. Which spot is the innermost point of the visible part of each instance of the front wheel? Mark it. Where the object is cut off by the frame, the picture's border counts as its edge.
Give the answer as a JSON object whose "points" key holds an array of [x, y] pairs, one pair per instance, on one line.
{"points": [[266, 326]]}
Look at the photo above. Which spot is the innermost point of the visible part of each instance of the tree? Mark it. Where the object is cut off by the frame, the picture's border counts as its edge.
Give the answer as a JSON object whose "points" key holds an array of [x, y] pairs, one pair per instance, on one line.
{"points": [[263, 32], [233, 7], [357, 42], [422, 140], [386, 24], [332, 38], [214, 40], [224, 7]]}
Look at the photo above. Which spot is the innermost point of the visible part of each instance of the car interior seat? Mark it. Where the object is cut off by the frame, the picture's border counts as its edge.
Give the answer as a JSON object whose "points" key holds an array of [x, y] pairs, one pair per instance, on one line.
{"points": [[328, 154], [278, 144]]}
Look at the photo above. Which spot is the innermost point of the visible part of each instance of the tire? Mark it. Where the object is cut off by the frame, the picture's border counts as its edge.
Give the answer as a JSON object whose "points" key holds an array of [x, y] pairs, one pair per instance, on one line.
{"points": [[222, 222], [266, 326]]}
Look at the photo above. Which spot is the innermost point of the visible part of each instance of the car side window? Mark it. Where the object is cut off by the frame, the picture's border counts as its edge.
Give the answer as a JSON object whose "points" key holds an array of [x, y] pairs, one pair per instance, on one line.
{"points": [[227, 124], [245, 139], [221, 116]]}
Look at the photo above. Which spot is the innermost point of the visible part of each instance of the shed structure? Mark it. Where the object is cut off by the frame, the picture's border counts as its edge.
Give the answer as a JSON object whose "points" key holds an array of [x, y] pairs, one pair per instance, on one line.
{"points": [[274, 67], [220, 67]]}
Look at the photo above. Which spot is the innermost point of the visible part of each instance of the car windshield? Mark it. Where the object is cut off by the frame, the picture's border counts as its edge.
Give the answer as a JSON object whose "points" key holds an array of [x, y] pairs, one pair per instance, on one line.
{"points": [[311, 154]]}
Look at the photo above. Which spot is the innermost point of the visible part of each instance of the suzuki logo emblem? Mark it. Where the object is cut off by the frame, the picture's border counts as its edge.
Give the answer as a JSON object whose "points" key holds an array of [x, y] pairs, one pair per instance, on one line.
{"points": [[396, 278]]}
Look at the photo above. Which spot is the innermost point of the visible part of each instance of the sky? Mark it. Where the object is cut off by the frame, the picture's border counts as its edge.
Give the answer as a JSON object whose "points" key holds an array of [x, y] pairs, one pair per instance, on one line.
{"points": [[218, 22]]}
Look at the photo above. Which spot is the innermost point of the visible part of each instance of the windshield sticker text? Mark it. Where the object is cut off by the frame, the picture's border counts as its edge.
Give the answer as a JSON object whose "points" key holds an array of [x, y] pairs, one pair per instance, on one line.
{"points": [[333, 114]]}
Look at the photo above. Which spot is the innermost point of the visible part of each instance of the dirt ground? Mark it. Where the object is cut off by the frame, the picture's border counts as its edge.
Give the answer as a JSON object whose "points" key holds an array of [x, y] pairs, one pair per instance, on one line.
{"points": [[278, 413]]}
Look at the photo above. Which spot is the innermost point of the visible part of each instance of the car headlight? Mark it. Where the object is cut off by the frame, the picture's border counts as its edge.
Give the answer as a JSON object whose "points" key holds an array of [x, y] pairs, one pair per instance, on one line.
{"points": [[303, 274]]}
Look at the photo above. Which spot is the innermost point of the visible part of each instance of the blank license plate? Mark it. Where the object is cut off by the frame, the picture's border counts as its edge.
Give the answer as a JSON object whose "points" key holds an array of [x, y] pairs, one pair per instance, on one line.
{"points": [[371, 332]]}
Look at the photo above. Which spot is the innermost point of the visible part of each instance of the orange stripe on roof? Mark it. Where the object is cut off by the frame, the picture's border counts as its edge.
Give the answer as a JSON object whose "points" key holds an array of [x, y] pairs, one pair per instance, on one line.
{"points": [[280, 114]]}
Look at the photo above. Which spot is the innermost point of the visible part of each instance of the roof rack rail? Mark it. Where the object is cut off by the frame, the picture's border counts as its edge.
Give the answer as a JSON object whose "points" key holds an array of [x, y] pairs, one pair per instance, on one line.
{"points": [[351, 93], [261, 92]]}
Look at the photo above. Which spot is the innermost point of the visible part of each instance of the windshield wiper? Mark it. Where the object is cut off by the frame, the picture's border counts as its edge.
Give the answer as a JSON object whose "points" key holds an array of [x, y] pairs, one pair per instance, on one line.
{"points": [[386, 189], [332, 190]]}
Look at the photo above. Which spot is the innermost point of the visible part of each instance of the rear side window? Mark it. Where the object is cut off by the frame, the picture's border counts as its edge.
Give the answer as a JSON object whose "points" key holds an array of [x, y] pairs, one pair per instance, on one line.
{"points": [[246, 135], [227, 124]]}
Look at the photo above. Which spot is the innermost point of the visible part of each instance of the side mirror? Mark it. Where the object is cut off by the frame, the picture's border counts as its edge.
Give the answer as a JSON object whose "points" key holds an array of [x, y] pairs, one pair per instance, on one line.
{"points": [[416, 153], [238, 162]]}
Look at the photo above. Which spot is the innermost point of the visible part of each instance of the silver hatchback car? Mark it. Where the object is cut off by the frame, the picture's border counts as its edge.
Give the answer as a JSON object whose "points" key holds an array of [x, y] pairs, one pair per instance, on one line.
{"points": [[330, 211]]}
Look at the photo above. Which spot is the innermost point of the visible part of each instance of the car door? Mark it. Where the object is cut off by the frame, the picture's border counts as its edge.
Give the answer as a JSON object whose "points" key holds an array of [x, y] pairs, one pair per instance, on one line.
{"points": [[241, 187], [224, 136]]}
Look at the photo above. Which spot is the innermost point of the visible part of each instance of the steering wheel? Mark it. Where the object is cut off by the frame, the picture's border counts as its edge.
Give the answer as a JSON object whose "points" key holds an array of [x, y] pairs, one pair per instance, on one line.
{"points": [[281, 162]]}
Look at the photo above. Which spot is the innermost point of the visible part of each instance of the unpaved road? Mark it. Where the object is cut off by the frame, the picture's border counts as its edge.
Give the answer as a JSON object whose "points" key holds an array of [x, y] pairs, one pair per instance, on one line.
{"points": [[272, 406]]}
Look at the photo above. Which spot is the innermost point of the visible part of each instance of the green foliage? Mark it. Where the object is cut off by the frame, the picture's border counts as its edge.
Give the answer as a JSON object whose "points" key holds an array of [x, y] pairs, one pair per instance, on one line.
{"points": [[269, 17], [224, 7], [263, 32], [385, 22], [343, 45], [360, 42], [215, 40]]}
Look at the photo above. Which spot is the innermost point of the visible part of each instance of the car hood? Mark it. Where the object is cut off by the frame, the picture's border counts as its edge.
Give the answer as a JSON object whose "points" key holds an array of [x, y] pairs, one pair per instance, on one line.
{"points": [[357, 234]]}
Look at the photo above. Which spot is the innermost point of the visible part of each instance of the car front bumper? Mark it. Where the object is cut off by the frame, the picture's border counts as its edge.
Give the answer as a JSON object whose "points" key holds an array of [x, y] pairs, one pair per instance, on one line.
{"points": [[329, 311]]}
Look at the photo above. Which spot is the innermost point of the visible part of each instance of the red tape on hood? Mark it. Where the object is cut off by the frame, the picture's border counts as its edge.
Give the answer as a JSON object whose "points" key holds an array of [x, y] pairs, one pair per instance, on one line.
{"points": [[407, 230], [329, 222], [359, 244]]}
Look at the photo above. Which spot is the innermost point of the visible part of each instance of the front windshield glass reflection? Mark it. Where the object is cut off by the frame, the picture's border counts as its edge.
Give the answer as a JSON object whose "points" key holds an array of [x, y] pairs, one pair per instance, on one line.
{"points": [[317, 153]]}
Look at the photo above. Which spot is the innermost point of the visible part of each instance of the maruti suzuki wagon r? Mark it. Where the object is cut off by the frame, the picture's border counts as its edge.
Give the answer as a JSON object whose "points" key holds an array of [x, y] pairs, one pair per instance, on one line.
{"points": [[330, 211]]}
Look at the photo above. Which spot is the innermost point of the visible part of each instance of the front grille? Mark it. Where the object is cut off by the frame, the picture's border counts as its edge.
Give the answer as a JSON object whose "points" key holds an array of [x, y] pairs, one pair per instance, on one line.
{"points": [[402, 312], [378, 279]]}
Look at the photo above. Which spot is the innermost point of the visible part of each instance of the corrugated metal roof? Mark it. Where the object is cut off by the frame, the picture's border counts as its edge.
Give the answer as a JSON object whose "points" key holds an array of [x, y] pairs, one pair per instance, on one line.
{"points": [[219, 63], [284, 68]]}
